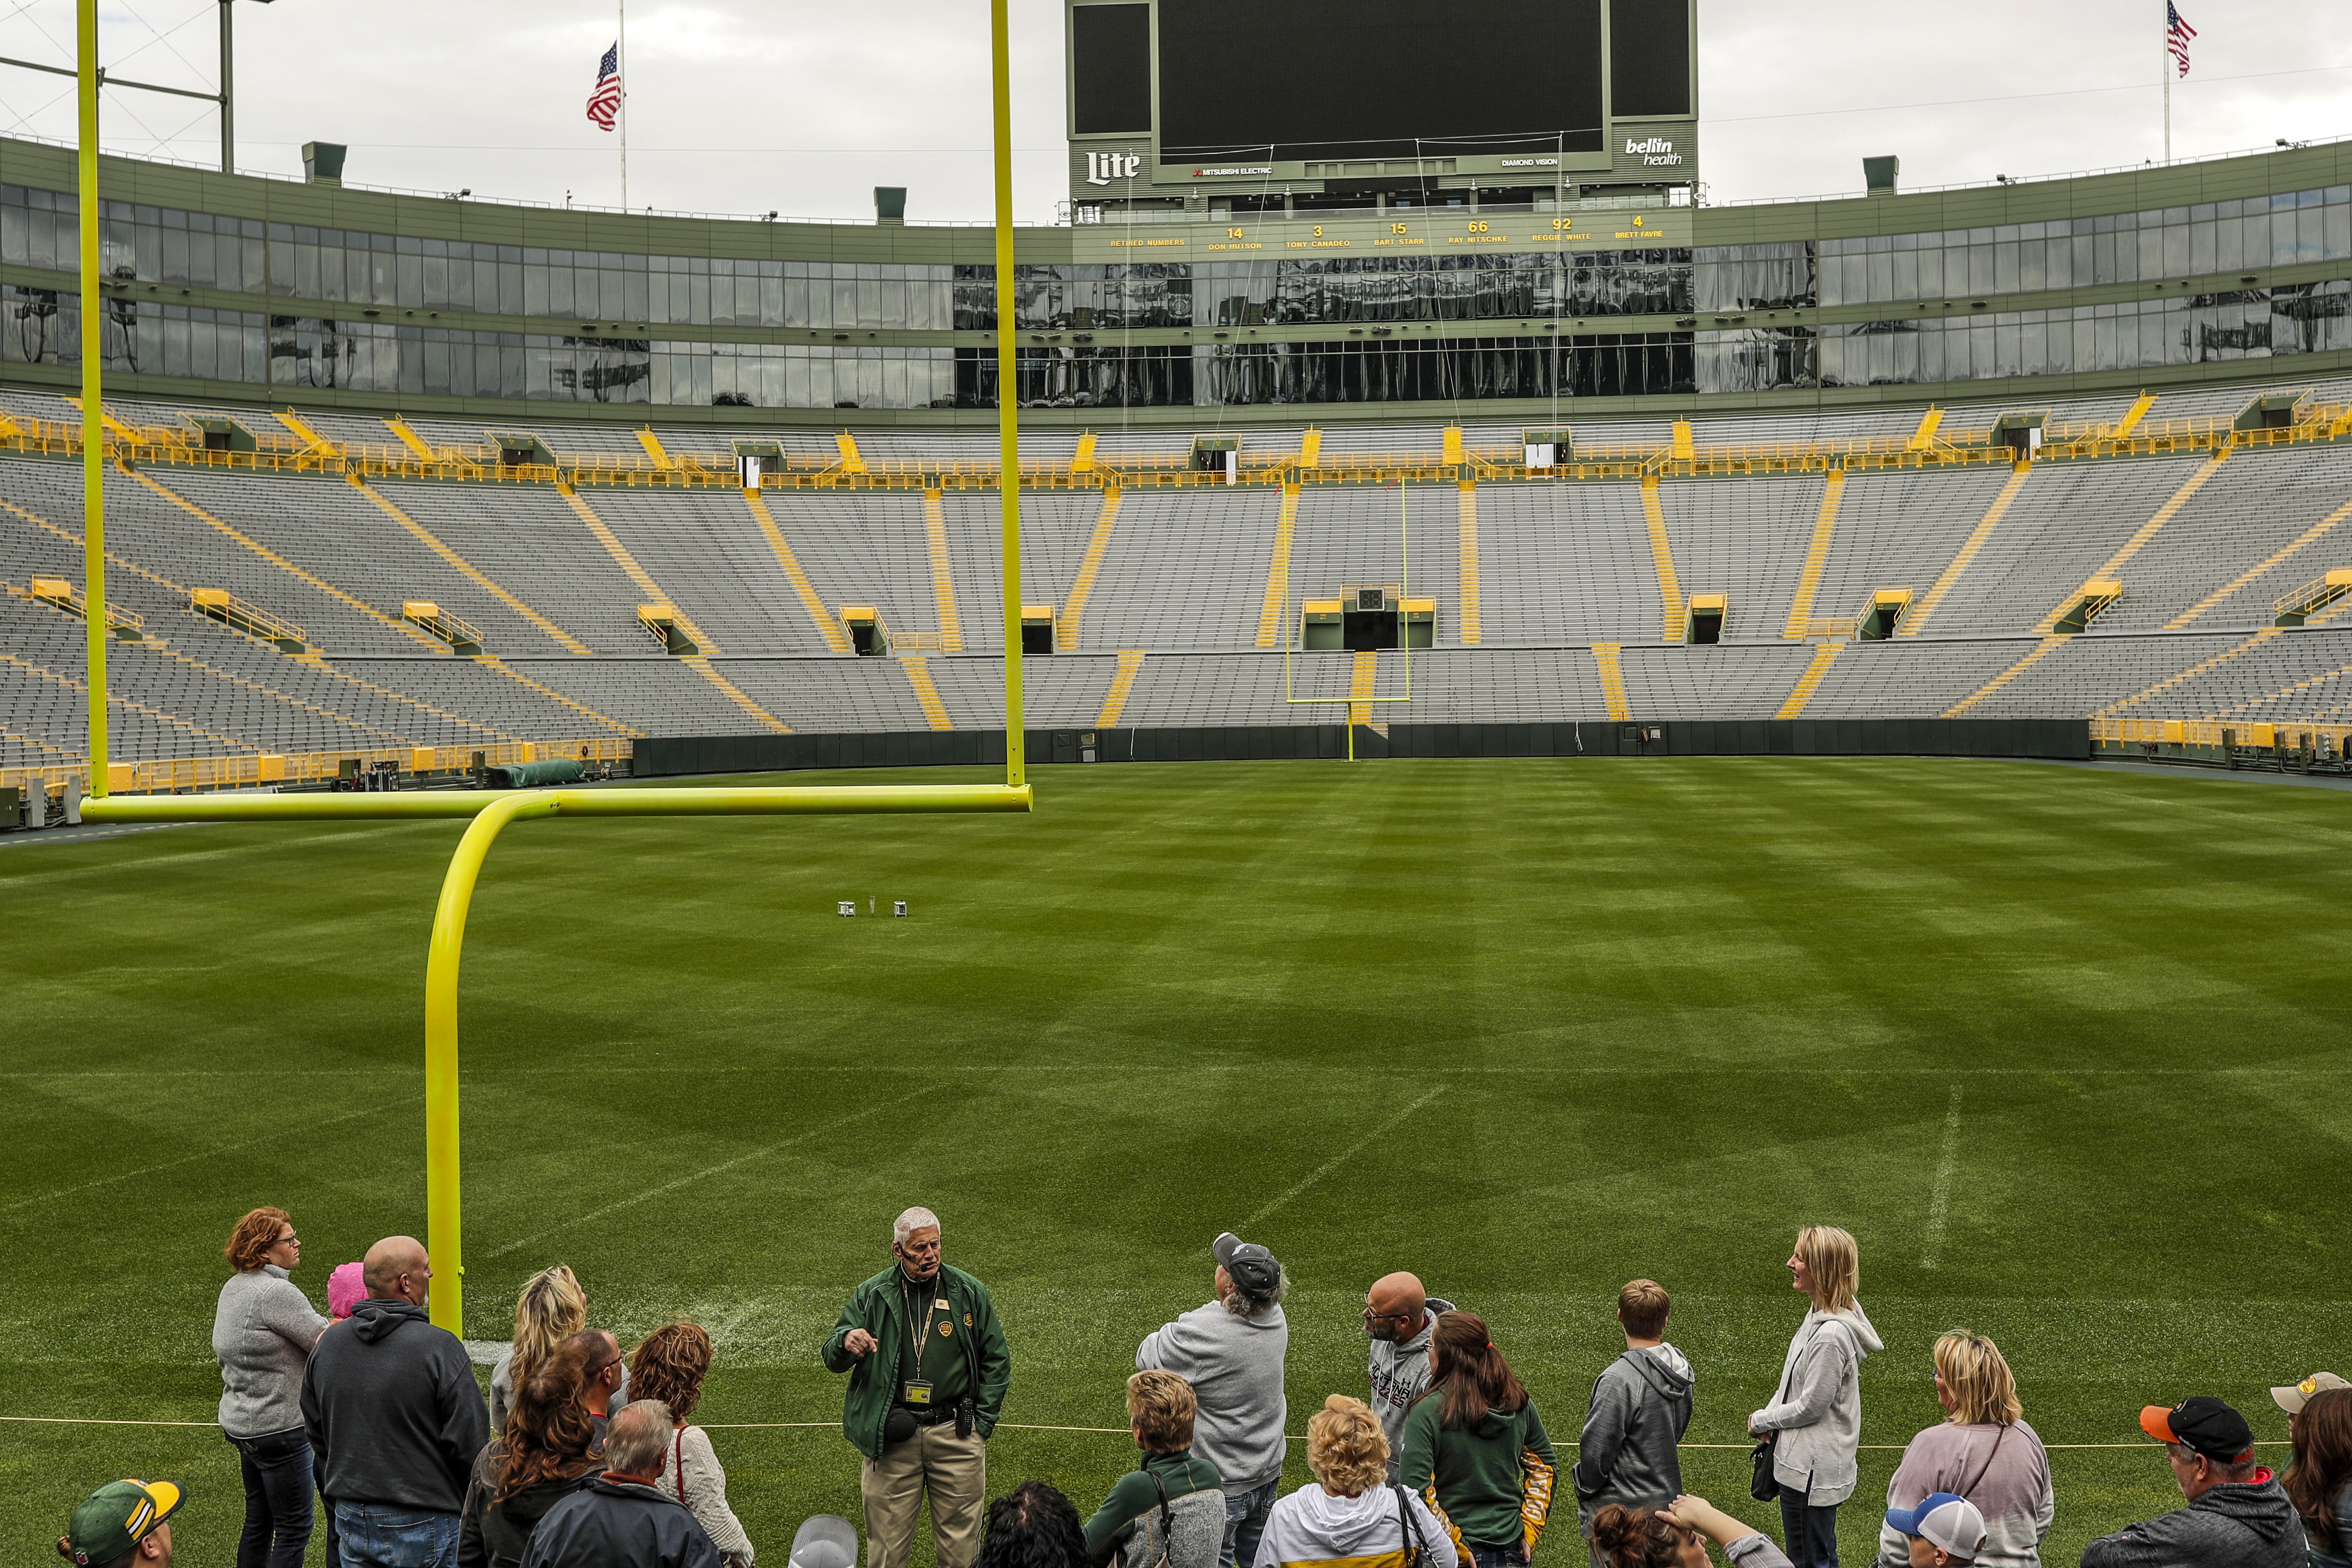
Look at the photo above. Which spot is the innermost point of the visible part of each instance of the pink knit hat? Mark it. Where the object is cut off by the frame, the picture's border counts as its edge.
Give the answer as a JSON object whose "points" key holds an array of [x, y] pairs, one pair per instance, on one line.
{"points": [[345, 1290]]}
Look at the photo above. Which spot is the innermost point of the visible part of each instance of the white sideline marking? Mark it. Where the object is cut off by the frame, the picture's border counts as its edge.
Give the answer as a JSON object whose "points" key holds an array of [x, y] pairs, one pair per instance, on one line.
{"points": [[1939, 1202], [1023, 1427], [719, 1169], [1349, 1152], [1538, 1069], [200, 1154]]}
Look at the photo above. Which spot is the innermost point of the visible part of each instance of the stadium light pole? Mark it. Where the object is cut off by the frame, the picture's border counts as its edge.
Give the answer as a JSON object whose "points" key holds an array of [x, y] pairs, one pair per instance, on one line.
{"points": [[93, 430], [1008, 387]]}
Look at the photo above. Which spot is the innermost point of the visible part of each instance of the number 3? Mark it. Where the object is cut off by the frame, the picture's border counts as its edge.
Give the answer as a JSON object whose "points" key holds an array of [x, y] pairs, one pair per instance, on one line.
{"points": [[1319, 231]]}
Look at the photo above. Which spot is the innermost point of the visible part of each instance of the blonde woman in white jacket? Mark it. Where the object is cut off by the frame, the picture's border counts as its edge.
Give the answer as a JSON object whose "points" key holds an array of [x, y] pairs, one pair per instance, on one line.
{"points": [[670, 1366], [1814, 1422]]}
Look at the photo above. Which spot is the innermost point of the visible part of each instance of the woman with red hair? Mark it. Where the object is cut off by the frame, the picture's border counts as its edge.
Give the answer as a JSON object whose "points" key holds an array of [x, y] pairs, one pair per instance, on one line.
{"points": [[262, 1333]]}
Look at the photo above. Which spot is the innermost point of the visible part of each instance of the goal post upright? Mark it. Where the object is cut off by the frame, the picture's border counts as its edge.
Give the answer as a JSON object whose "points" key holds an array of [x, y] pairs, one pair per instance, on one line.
{"points": [[1008, 386], [490, 810], [93, 427]]}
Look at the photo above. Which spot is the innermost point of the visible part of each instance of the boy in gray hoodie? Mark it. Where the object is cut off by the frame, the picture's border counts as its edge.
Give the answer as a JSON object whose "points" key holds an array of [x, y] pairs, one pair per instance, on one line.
{"points": [[1641, 1408], [1230, 1351]]}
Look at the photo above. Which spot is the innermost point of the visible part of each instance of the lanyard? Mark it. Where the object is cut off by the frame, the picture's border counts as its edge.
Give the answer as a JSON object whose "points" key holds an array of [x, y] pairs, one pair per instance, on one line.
{"points": [[918, 1337]]}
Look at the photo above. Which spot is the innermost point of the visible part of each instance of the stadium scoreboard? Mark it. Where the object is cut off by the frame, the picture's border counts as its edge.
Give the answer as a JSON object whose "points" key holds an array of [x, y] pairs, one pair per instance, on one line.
{"points": [[1188, 107]]}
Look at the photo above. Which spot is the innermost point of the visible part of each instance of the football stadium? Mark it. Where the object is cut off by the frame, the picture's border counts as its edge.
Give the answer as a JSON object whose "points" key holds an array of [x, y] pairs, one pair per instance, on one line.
{"points": [[1411, 789]]}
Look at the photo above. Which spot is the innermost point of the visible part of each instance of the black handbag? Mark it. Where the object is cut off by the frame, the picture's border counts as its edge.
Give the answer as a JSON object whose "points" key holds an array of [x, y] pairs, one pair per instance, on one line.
{"points": [[1761, 1486]]}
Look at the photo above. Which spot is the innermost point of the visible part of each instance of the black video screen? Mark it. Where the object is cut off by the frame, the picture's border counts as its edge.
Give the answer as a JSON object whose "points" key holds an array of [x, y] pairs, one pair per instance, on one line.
{"points": [[1325, 79], [1111, 49], [1649, 58]]}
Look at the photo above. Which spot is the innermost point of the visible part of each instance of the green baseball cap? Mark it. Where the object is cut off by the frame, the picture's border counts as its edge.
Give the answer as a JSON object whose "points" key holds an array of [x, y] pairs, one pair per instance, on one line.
{"points": [[118, 1516]]}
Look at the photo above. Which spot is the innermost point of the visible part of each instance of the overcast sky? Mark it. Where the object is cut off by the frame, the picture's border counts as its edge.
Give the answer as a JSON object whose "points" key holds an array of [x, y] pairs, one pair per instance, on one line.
{"points": [[745, 106]]}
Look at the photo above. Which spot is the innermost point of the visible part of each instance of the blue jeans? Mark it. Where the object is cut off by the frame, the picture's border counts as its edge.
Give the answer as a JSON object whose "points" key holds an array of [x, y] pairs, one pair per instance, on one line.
{"points": [[1515, 1556], [1810, 1532], [278, 1512], [1245, 1517], [384, 1535]]}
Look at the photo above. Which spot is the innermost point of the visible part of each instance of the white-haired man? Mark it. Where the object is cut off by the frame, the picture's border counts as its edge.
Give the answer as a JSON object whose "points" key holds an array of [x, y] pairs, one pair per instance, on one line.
{"points": [[928, 1369]]}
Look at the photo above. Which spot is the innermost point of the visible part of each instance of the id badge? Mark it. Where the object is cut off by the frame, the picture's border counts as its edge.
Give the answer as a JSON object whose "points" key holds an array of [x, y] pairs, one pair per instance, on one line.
{"points": [[919, 1393]]}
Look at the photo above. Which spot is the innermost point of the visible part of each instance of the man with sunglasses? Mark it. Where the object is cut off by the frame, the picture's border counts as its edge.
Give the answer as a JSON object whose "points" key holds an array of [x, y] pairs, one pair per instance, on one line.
{"points": [[928, 1369], [1399, 1317]]}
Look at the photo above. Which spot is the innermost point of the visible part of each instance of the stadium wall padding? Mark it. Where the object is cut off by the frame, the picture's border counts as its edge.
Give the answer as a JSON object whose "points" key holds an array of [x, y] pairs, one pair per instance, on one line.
{"points": [[664, 756]]}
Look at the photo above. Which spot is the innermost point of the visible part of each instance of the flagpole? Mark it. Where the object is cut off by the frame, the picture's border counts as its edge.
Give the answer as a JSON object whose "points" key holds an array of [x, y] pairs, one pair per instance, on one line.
{"points": [[2164, 68], [622, 64]]}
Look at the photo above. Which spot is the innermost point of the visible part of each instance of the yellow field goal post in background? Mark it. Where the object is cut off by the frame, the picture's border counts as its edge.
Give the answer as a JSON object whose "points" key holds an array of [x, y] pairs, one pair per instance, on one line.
{"points": [[489, 812], [1291, 632]]}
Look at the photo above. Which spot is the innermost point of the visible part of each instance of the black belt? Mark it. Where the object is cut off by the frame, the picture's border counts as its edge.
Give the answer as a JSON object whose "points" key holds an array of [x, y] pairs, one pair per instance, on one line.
{"points": [[931, 1415]]}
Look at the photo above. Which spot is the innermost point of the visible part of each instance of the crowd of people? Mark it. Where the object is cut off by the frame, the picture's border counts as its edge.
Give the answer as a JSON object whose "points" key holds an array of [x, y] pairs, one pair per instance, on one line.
{"points": [[584, 1458]]}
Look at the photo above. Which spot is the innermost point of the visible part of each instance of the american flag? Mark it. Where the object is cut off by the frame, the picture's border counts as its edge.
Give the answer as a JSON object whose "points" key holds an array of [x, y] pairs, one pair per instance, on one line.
{"points": [[605, 102], [2177, 34]]}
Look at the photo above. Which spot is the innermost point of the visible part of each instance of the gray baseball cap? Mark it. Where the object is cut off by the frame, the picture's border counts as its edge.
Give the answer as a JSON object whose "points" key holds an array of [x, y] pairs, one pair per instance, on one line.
{"points": [[1252, 1267]]}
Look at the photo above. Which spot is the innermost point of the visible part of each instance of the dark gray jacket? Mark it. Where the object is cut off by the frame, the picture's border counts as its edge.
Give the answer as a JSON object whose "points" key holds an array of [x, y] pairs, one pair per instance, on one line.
{"points": [[619, 1524], [2248, 1524], [393, 1410], [1627, 1454]]}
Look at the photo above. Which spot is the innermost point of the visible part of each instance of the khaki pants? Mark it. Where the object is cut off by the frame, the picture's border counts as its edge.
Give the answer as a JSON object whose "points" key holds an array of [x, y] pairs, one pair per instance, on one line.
{"points": [[953, 1469]]}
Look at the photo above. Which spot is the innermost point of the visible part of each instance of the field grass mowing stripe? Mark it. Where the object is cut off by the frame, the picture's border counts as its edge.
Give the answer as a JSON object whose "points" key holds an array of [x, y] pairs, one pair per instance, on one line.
{"points": [[1939, 1202], [219, 1149], [709, 1171]]}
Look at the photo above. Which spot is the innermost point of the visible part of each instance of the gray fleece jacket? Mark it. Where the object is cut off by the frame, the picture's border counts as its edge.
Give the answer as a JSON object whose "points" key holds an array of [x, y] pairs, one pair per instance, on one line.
{"points": [[1399, 1374], [1817, 1419], [2248, 1524], [262, 1333], [1627, 1453], [1235, 1366]]}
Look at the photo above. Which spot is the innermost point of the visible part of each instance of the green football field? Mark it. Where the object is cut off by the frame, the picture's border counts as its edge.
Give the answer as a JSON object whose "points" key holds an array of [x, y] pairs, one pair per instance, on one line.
{"points": [[2063, 1047]]}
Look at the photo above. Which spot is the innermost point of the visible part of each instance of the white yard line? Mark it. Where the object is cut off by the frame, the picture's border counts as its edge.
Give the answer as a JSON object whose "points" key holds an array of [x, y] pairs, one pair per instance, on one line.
{"points": [[1939, 1202], [1349, 1152], [719, 1169]]}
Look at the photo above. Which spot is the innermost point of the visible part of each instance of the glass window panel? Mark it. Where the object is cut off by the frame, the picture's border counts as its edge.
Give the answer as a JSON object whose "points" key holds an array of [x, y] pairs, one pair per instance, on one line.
{"points": [[2229, 244], [2201, 246], [509, 304], [2175, 250], [1980, 268], [2337, 237], [845, 302], [2309, 243], [2004, 267], [771, 305]]}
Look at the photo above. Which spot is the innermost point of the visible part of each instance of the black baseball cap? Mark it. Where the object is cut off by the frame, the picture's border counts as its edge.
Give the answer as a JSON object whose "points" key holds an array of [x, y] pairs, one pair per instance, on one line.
{"points": [[2204, 1425], [1252, 1267]]}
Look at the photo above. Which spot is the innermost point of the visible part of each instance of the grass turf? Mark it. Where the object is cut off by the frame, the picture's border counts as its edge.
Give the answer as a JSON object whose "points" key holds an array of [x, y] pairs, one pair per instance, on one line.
{"points": [[1529, 1028]]}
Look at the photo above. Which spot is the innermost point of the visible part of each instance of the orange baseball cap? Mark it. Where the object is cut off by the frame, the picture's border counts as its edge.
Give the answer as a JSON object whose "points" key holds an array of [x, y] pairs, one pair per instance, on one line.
{"points": [[2204, 1424]]}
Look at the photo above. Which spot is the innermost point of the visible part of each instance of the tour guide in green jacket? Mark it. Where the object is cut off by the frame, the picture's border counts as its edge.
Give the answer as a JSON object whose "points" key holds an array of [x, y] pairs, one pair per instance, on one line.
{"points": [[928, 1369]]}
